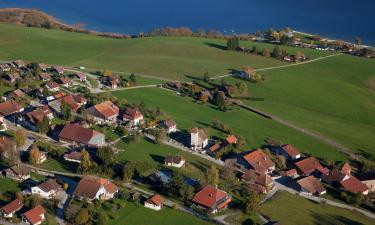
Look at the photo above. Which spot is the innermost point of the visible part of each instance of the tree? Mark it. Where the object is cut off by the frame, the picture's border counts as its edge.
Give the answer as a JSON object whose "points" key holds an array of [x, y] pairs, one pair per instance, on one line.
{"points": [[228, 174], [266, 52], [107, 73], [102, 219], [188, 192], [128, 171], [83, 216], [241, 142], [43, 126], [242, 88], [206, 77], [276, 53], [233, 43], [34, 155], [254, 50], [299, 56], [176, 186], [281, 162], [86, 162], [66, 111], [213, 175], [358, 40], [160, 136], [252, 202], [20, 137], [106, 156], [9, 153], [220, 100], [132, 79]]}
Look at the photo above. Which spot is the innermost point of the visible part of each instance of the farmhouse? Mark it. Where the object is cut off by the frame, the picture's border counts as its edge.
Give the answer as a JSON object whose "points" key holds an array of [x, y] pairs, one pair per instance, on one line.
{"points": [[34, 216], [334, 177], [48, 189], [310, 166], [291, 173], [37, 115], [260, 183], [105, 112], [369, 180], [10, 107], [311, 186], [155, 202], [212, 199], [45, 77], [175, 161], [81, 76], [52, 86], [290, 152], [19, 63], [353, 185], [73, 157], [259, 161], [73, 133], [18, 172], [169, 125], [92, 188], [8, 210], [64, 81], [198, 139], [133, 116], [346, 169]]}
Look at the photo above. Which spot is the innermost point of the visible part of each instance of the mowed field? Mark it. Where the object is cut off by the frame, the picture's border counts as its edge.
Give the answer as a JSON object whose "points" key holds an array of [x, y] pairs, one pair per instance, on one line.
{"points": [[294, 210], [333, 96], [254, 128], [167, 57]]}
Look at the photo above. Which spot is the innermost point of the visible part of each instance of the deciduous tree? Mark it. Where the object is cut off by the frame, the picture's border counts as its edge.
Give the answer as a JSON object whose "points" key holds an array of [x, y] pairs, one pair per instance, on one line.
{"points": [[213, 175], [20, 137], [34, 155]]}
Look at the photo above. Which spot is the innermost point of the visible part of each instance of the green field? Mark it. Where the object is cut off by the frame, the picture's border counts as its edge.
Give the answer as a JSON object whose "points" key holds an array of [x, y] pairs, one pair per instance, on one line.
{"points": [[294, 210], [8, 187], [254, 128], [169, 57]]}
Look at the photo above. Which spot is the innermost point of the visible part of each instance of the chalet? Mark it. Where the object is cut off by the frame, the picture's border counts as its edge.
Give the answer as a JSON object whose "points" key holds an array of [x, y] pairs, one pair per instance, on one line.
{"points": [[45, 77], [12, 77], [48, 189], [260, 183], [169, 125], [43, 66], [369, 180], [10, 107], [175, 161], [105, 112], [18, 93], [4, 67], [19, 64], [64, 81], [73, 157], [311, 166], [211, 199], [59, 69], [73, 133], [289, 152], [34, 216], [73, 101], [134, 116], [198, 139], [259, 161], [17, 172], [81, 76], [155, 202], [52, 86], [311, 186], [247, 73], [92, 188], [231, 139], [355, 186], [37, 115], [11, 208]]}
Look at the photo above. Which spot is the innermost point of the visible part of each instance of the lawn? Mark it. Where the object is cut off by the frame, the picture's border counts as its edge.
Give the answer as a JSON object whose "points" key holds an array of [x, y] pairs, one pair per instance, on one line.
{"points": [[292, 209], [168, 57], [244, 123], [8, 187]]}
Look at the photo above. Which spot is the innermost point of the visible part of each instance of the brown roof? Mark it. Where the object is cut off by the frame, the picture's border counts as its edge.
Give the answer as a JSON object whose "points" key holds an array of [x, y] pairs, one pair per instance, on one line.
{"points": [[155, 200], [202, 135], [107, 109], [73, 155], [173, 159], [132, 114], [290, 150], [231, 139], [334, 176], [37, 115], [34, 215], [9, 107], [311, 184], [354, 185], [49, 185], [346, 169], [18, 93], [59, 69], [89, 186], [215, 147], [209, 196], [64, 80], [81, 75], [13, 206], [169, 123], [76, 133], [309, 165], [259, 161], [45, 76], [254, 177]]}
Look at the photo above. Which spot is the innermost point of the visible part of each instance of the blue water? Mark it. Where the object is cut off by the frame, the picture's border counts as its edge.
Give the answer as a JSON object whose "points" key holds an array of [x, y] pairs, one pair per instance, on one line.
{"points": [[342, 19]]}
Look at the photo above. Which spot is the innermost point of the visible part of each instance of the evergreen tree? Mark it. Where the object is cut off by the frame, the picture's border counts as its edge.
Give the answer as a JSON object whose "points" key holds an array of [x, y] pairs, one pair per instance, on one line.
{"points": [[276, 53], [128, 171], [220, 100], [254, 50], [106, 156], [66, 111], [233, 43]]}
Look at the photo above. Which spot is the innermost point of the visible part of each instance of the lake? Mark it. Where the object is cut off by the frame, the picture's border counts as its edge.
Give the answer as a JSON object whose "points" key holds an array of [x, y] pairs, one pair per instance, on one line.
{"points": [[342, 19]]}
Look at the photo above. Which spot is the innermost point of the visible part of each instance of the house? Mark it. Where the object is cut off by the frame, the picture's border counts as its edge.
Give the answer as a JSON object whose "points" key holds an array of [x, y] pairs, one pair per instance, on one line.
{"points": [[175, 161], [48, 189], [260, 183], [288, 58], [4, 67], [9, 209], [169, 125], [73, 101], [34, 216], [231, 139], [52, 86], [212, 199], [45, 77], [59, 69], [73, 157], [291, 173], [259, 161], [43, 66], [18, 172], [214, 148], [355, 186], [247, 73], [19, 64], [18, 93], [37, 115], [310, 166], [112, 82], [134, 116], [334, 177], [290, 152], [3, 126], [42, 157], [10, 107], [81, 76], [92, 188], [155, 202], [346, 169], [12, 77], [198, 139], [105, 112], [64, 81], [75, 134], [311, 186], [369, 180]]}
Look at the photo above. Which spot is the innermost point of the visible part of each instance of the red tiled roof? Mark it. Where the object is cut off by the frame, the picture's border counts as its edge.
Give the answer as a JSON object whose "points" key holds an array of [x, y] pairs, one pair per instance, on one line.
{"points": [[110, 187], [59, 95], [215, 147], [34, 215], [231, 139], [13, 206], [346, 169], [76, 133], [354, 185], [209, 196], [9, 107], [309, 165], [107, 109], [290, 150], [132, 114], [49, 185], [155, 200], [169, 123], [259, 161], [89, 186], [64, 80], [311, 184]]}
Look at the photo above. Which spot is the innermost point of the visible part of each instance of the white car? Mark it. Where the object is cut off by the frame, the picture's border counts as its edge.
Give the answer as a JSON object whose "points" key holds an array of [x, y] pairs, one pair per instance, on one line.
{"points": [[82, 68]]}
